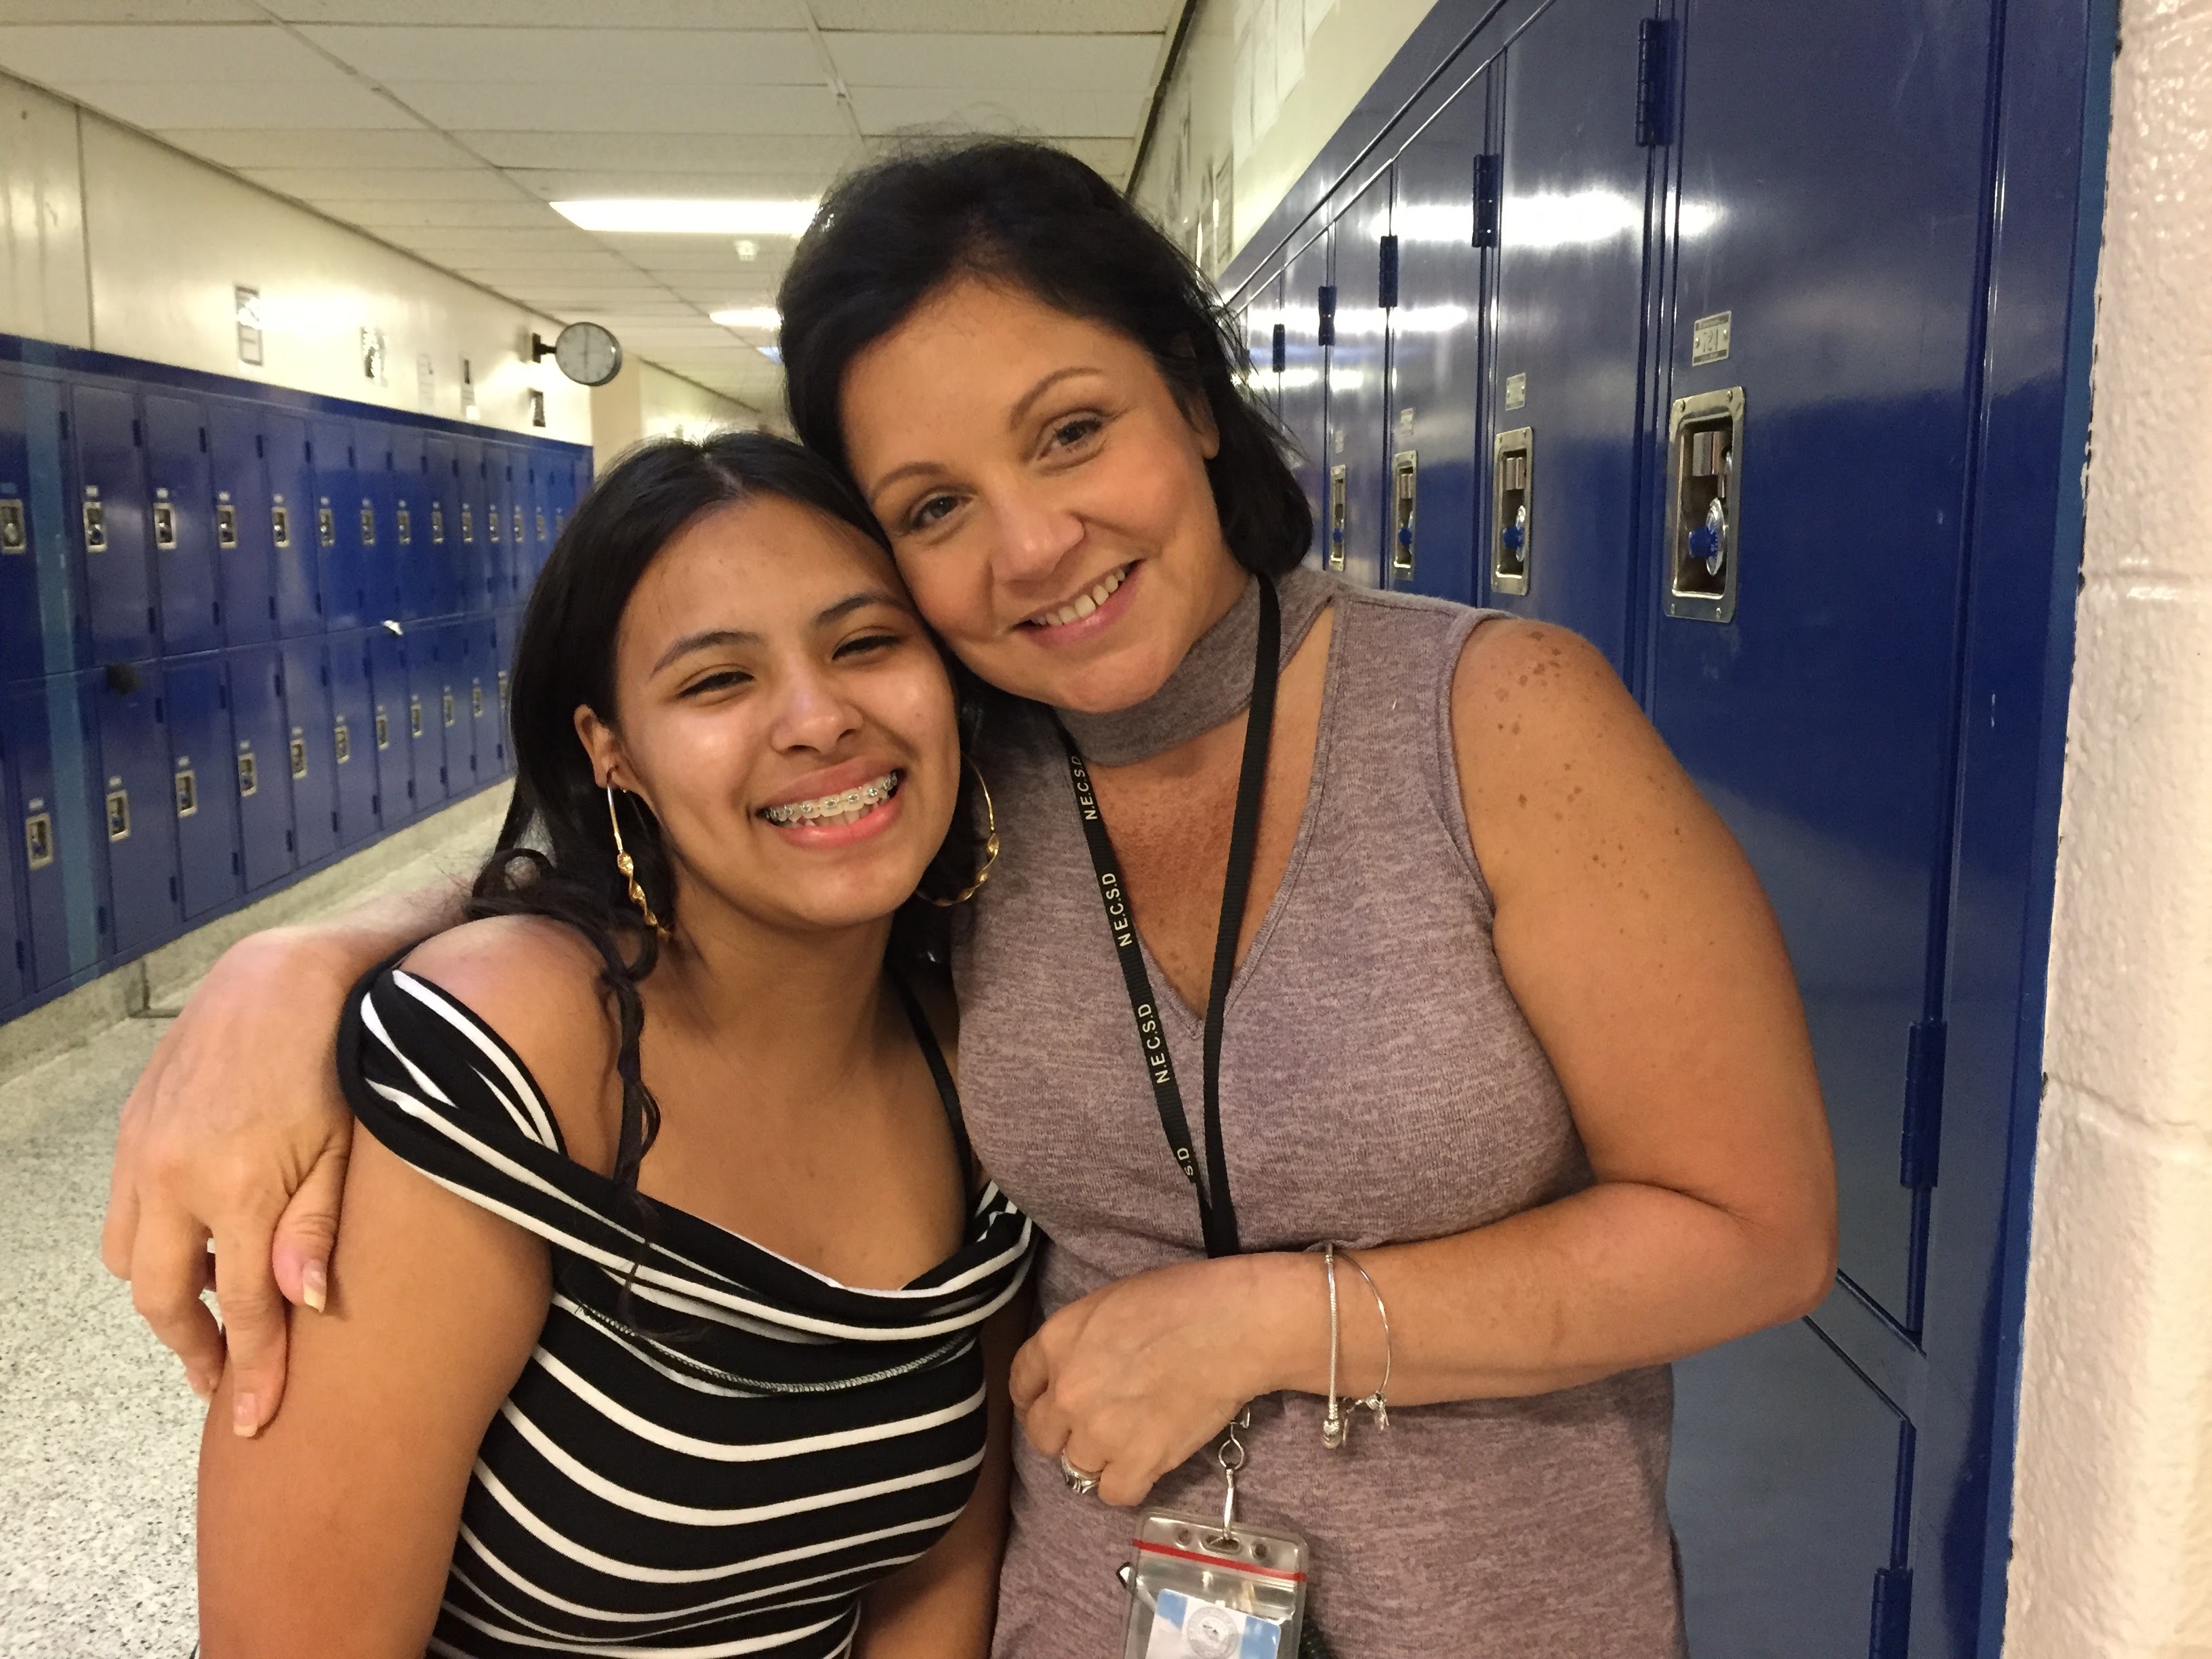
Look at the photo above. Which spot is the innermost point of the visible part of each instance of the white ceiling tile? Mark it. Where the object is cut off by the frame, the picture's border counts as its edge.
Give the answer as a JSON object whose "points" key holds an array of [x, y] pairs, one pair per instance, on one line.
{"points": [[666, 58], [383, 217], [664, 152], [183, 105], [63, 56], [1059, 112], [502, 269], [130, 11], [544, 14], [454, 241], [1104, 63], [283, 147], [566, 107], [1001, 16], [362, 186]]}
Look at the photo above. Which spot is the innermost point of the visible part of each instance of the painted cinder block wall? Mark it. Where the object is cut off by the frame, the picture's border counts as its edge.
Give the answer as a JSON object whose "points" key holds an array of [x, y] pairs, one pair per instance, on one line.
{"points": [[2112, 1520]]}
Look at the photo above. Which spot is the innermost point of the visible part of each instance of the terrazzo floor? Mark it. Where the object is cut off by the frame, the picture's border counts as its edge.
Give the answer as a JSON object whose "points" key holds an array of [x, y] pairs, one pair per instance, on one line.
{"points": [[98, 1432]]}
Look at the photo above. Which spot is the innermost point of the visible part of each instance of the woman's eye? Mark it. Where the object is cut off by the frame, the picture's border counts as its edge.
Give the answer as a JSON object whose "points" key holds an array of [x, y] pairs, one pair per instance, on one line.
{"points": [[1070, 432], [930, 511]]}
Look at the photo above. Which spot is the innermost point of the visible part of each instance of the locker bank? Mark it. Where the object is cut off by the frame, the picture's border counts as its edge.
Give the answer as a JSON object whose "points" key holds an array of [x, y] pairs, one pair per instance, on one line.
{"points": [[1751, 342]]}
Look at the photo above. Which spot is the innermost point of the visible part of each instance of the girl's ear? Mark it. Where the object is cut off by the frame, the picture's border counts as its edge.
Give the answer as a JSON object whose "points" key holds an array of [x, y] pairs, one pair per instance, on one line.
{"points": [[604, 747]]}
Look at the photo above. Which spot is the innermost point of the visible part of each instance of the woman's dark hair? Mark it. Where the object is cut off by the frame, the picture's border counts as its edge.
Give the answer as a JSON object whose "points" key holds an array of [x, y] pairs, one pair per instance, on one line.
{"points": [[1035, 218], [556, 856]]}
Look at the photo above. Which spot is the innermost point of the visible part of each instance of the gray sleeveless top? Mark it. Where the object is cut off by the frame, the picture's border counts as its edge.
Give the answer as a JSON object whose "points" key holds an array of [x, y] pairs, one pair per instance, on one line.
{"points": [[1379, 1085]]}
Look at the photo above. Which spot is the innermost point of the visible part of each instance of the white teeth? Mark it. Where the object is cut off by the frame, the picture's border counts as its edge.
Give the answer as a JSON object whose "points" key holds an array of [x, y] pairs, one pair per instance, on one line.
{"points": [[847, 806], [1085, 603]]}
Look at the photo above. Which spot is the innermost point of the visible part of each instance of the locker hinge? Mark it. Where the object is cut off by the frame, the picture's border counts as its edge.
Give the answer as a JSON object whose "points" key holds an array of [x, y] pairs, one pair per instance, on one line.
{"points": [[1279, 348], [1488, 171], [1326, 332], [260, 452], [137, 438], [1892, 1614], [1652, 57], [204, 440], [1386, 275], [1923, 1105]]}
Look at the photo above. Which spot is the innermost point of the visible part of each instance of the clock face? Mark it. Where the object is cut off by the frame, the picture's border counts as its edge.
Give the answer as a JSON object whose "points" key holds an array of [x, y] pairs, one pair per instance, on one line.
{"points": [[587, 353]]}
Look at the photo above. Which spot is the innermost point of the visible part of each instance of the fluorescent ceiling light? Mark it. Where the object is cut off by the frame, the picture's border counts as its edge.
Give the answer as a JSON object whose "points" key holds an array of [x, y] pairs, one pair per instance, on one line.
{"points": [[760, 317], [678, 216]]}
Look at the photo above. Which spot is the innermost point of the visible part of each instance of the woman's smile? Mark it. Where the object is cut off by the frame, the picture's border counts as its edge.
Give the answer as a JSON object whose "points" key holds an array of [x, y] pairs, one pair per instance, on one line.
{"points": [[1090, 614]]}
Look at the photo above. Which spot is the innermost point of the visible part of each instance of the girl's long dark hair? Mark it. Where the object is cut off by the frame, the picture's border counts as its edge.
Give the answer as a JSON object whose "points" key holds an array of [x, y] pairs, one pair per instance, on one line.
{"points": [[893, 233], [556, 856]]}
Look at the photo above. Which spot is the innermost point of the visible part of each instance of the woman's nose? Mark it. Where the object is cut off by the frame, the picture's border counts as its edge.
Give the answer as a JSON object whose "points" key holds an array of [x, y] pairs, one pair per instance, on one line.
{"points": [[1035, 535]]}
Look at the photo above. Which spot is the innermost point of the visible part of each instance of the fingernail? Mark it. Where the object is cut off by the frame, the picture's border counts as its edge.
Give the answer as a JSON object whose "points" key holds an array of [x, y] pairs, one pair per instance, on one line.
{"points": [[201, 1387], [244, 1420], [314, 1286]]}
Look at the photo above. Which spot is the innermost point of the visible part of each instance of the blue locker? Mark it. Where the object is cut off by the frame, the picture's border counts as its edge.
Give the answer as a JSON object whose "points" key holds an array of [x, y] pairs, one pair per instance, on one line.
{"points": [[354, 740], [112, 528], [243, 547], [1359, 364], [203, 783], [15, 935], [499, 548], [180, 506], [1256, 329], [53, 762], [398, 726], [1568, 324], [318, 753], [448, 583], [538, 528], [294, 532], [1784, 1486], [430, 716], [138, 817], [42, 609], [459, 680], [1437, 346], [411, 551], [476, 564], [341, 559], [1304, 381], [260, 773], [375, 518], [1819, 717], [499, 649]]}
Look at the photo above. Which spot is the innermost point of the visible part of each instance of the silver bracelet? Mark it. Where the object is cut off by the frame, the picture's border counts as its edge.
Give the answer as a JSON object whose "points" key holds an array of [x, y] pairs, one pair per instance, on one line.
{"points": [[1336, 1422]]}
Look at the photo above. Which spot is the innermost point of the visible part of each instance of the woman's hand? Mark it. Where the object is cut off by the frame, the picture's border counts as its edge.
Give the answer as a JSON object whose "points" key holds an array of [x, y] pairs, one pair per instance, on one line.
{"points": [[1129, 1381]]}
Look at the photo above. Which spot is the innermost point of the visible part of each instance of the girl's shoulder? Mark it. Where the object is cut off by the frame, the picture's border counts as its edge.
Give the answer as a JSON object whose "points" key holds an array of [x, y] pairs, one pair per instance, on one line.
{"points": [[536, 985]]}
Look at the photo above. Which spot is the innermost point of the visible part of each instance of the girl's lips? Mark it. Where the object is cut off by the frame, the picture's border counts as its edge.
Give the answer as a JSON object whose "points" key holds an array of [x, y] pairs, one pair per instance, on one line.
{"points": [[823, 836], [1087, 628]]}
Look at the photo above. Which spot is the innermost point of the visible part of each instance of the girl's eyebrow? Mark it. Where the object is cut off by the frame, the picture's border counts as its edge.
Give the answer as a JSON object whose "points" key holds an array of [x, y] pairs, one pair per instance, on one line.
{"points": [[709, 638]]}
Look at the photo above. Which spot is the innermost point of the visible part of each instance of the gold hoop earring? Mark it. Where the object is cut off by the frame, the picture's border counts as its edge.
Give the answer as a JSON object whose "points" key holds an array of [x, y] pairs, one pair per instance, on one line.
{"points": [[624, 863], [990, 846]]}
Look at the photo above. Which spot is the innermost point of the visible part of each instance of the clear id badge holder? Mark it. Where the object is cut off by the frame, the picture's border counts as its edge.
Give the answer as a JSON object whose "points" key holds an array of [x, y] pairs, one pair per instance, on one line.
{"points": [[1203, 1587]]}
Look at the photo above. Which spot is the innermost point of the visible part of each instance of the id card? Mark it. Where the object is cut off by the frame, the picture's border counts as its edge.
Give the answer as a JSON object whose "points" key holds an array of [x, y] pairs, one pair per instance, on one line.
{"points": [[1199, 1592], [1184, 1629]]}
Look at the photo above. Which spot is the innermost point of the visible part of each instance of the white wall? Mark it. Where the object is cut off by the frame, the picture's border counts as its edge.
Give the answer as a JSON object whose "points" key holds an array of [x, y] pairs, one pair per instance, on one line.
{"points": [[647, 401], [1263, 84], [2112, 1522], [117, 242]]}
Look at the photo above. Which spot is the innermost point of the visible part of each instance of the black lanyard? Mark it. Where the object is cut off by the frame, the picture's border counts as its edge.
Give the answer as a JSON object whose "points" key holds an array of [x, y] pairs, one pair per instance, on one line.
{"points": [[1217, 1213]]}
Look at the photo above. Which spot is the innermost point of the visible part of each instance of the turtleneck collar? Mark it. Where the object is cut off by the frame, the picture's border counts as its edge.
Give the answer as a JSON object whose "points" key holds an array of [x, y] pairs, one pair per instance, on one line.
{"points": [[1212, 684]]}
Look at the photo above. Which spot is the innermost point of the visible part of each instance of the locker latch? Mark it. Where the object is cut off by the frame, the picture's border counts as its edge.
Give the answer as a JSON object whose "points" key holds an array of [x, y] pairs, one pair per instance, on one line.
{"points": [[165, 524], [119, 811], [1705, 445], [39, 840], [1403, 494], [188, 792], [12, 533], [326, 525], [1512, 530], [280, 522], [368, 525], [491, 524], [502, 690], [541, 527], [414, 717], [446, 705], [341, 741], [1337, 514], [225, 525], [299, 754], [249, 774], [438, 523], [404, 525], [518, 526], [468, 524], [383, 731], [95, 525], [476, 700]]}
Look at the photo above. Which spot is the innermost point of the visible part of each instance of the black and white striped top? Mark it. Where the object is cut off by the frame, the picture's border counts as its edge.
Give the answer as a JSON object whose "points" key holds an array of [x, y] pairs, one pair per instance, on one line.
{"points": [[729, 1478]]}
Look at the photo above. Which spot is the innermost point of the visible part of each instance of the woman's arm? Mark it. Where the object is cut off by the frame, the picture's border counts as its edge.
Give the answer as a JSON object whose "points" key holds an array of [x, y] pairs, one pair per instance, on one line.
{"points": [[1638, 941], [236, 1131], [943, 1606], [331, 1534]]}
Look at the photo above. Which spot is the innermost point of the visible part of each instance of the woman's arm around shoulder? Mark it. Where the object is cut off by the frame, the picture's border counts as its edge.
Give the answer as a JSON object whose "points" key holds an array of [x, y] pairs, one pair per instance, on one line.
{"points": [[332, 1531], [1638, 942]]}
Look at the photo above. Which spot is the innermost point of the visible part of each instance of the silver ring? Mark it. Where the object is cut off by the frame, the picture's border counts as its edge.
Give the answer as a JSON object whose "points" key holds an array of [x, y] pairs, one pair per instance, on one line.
{"points": [[1079, 1482]]}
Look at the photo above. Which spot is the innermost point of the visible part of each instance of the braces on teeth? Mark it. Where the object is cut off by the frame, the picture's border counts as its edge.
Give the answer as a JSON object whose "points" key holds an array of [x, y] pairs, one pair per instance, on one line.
{"points": [[830, 806]]}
